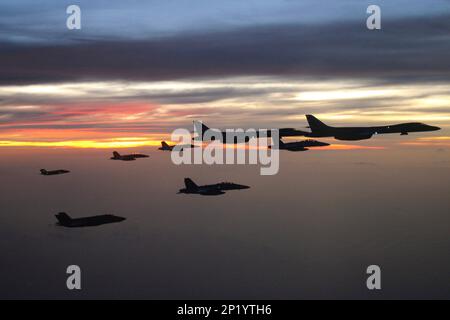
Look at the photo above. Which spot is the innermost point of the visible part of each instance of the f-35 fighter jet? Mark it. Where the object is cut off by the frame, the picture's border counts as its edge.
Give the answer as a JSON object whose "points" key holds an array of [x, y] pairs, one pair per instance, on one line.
{"points": [[66, 221], [53, 172]]}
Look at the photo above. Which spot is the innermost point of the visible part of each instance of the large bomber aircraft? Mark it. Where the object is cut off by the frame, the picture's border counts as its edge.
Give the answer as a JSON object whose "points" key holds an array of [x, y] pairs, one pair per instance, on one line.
{"points": [[320, 129], [235, 138]]}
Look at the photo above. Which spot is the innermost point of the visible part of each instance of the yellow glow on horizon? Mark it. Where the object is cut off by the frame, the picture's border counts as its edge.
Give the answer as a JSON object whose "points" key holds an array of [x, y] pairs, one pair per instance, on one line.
{"points": [[93, 144], [424, 143], [441, 138], [104, 114], [348, 147]]}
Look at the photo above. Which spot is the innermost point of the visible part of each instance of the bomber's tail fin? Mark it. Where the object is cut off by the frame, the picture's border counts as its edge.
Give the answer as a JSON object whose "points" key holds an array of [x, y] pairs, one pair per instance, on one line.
{"points": [[315, 124], [63, 217], [164, 144], [116, 154], [189, 184]]}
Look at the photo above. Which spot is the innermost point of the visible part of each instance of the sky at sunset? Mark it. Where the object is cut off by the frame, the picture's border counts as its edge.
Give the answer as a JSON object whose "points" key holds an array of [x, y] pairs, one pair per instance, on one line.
{"points": [[137, 70], [134, 73]]}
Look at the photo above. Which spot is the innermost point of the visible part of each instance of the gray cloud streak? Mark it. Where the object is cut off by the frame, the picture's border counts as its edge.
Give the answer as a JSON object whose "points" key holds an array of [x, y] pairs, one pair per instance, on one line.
{"points": [[404, 50]]}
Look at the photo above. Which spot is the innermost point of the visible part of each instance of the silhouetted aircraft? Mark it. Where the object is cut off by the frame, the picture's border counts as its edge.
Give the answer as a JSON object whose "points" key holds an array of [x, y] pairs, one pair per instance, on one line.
{"points": [[127, 157], [300, 145], [211, 189], [66, 221], [236, 137], [320, 129], [53, 172], [166, 147], [242, 137], [291, 132]]}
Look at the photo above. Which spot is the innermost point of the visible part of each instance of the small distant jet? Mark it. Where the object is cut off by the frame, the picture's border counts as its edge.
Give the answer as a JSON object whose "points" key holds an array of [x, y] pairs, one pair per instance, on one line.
{"points": [[127, 157], [300, 145], [166, 147], [53, 172], [210, 190], [320, 129], [66, 221]]}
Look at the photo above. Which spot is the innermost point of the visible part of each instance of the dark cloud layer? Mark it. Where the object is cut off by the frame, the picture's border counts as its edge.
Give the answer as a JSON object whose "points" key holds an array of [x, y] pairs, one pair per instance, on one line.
{"points": [[413, 48]]}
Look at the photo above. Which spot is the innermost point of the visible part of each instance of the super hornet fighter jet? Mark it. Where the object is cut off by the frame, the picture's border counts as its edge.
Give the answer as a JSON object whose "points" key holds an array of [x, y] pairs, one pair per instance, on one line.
{"points": [[211, 189], [320, 129], [166, 147], [53, 172], [66, 221], [127, 157], [300, 145]]}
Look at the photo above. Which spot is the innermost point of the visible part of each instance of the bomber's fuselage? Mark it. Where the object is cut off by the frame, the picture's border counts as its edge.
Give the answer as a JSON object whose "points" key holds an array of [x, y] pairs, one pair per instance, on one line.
{"points": [[361, 133]]}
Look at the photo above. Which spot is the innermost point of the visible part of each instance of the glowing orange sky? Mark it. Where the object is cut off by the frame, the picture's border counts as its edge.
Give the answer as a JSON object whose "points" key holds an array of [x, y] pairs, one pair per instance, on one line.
{"points": [[116, 114]]}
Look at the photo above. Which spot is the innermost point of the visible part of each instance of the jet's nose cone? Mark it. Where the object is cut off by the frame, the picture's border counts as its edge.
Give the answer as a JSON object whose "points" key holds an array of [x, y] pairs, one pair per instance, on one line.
{"points": [[244, 187], [433, 128]]}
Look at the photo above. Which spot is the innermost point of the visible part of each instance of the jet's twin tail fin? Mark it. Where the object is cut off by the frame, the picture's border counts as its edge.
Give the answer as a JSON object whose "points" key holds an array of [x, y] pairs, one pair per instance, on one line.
{"points": [[63, 217], [315, 124], [116, 154], [164, 144], [190, 184], [200, 127], [43, 171]]}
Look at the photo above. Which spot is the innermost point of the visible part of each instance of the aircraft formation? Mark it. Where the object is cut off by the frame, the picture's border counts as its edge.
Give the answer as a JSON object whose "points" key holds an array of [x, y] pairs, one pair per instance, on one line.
{"points": [[318, 129]]}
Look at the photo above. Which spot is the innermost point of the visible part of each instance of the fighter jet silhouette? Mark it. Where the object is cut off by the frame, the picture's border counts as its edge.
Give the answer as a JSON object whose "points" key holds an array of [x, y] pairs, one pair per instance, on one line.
{"points": [[300, 145], [166, 147], [53, 172], [66, 221], [320, 129], [210, 190], [127, 157]]}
